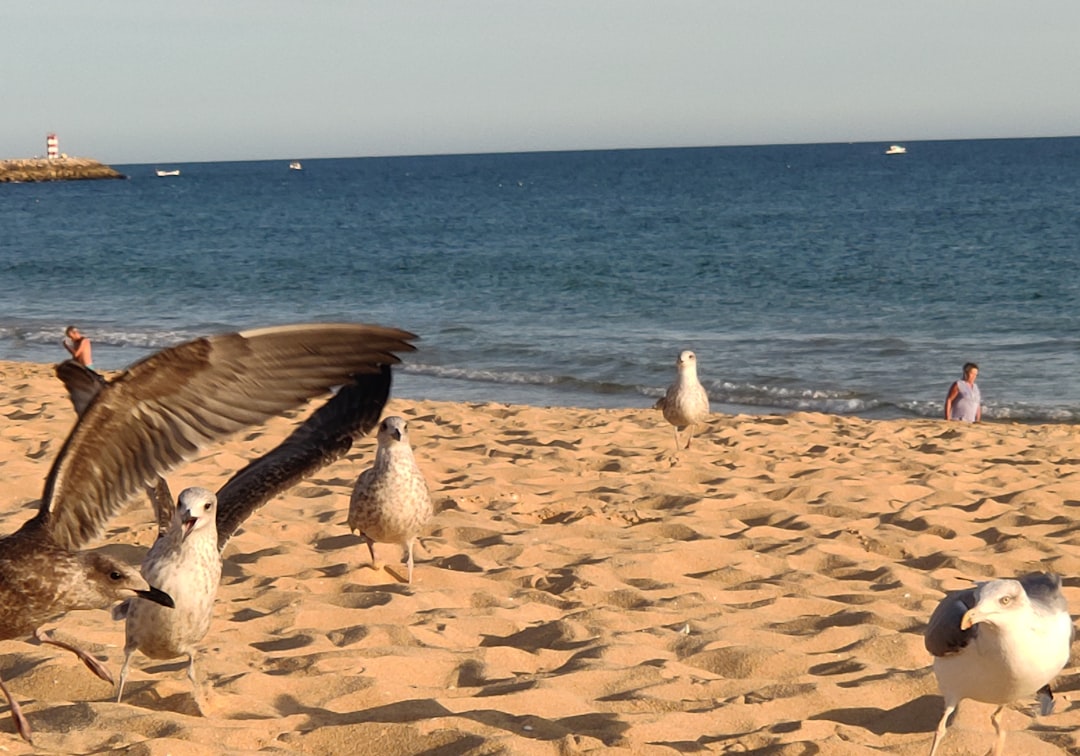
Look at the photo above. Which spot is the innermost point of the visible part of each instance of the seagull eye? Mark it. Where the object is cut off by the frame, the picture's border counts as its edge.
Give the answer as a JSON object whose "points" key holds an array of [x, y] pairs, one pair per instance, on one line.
{"points": [[116, 575], [1005, 600]]}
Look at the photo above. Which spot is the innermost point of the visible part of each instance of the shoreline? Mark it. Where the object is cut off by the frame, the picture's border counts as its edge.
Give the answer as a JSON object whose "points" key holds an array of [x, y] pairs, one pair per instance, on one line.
{"points": [[421, 386], [34, 170], [581, 589]]}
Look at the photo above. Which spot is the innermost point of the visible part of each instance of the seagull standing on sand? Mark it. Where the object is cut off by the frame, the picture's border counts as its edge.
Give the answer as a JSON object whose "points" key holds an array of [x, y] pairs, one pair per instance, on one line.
{"points": [[187, 560], [155, 415], [187, 554], [685, 402], [390, 502], [997, 642]]}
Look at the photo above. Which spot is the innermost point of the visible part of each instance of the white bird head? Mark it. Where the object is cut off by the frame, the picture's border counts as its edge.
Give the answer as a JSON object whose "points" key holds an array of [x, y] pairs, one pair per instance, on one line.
{"points": [[195, 509], [392, 431], [998, 602], [687, 361]]}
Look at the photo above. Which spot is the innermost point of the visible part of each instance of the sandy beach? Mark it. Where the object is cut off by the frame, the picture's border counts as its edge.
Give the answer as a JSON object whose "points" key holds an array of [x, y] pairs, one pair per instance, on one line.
{"points": [[581, 589]]}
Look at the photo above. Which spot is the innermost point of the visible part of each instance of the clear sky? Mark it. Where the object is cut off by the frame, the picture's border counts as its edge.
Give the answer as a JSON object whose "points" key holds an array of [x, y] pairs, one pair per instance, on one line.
{"points": [[145, 81]]}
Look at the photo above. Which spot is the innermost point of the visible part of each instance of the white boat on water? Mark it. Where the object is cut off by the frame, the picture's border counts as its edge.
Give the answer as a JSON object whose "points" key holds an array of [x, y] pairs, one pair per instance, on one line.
{"points": [[295, 166], [174, 172], [895, 149]]}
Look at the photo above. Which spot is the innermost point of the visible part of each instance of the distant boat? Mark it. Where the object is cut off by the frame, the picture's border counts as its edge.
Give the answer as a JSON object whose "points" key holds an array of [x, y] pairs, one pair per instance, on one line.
{"points": [[174, 172], [295, 166], [895, 149]]}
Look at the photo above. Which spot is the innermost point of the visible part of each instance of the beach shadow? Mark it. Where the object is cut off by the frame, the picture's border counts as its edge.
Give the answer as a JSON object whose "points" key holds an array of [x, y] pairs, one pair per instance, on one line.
{"points": [[343, 541], [920, 715], [556, 636], [605, 727]]}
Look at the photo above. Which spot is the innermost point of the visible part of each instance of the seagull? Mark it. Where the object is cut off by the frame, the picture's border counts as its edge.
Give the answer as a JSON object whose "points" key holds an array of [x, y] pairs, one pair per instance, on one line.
{"points": [[188, 556], [999, 641], [390, 502], [187, 560], [194, 531], [685, 402]]}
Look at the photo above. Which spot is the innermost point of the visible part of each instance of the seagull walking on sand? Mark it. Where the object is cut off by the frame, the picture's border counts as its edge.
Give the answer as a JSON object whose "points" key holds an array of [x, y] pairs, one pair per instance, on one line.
{"points": [[187, 560], [390, 502], [685, 403], [997, 642], [187, 554]]}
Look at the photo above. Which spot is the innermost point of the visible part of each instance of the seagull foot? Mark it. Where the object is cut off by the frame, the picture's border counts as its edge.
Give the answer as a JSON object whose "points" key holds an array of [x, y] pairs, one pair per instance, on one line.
{"points": [[22, 724], [91, 663]]}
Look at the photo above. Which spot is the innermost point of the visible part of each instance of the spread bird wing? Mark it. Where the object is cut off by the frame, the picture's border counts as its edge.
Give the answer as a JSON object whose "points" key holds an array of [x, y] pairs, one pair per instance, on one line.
{"points": [[83, 385], [163, 409], [326, 436]]}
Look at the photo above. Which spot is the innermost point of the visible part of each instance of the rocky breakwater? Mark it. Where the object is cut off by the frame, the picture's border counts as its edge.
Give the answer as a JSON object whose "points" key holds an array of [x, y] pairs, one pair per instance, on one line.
{"points": [[55, 169]]}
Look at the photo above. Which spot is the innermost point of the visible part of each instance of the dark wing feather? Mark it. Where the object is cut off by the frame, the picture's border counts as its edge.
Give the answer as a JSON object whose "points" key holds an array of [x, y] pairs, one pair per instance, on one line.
{"points": [[1044, 591], [163, 409], [161, 499], [943, 633], [323, 438], [82, 383]]}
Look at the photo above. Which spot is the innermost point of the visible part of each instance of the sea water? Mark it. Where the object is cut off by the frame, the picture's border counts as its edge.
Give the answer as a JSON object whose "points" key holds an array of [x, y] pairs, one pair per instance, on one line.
{"points": [[830, 278]]}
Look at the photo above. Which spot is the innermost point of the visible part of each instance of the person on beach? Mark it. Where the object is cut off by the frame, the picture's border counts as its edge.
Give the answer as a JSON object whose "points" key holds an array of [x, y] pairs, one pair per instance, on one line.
{"points": [[79, 346], [964, 401]]}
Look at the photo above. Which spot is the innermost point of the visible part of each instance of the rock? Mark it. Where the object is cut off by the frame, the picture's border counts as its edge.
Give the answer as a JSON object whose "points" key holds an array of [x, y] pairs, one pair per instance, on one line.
{"points": [[55, 169]]}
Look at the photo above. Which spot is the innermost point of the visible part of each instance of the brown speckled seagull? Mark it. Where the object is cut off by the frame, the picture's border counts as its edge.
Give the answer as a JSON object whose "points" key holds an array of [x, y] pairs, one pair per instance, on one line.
{"points": [[685, 403], [390, 502]]}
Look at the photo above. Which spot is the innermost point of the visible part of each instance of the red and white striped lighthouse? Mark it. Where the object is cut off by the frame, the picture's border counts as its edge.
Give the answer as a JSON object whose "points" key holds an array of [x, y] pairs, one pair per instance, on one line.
{"points": [[52, 146]]}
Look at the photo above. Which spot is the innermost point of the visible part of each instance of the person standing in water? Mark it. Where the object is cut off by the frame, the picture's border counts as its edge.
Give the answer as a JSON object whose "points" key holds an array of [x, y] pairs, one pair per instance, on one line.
{"points": [[79, 346], [964, 401]]}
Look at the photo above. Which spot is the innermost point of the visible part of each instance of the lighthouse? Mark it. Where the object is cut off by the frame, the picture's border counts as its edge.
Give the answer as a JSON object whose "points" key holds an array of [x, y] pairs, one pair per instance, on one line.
{"points": [[52, 146]]}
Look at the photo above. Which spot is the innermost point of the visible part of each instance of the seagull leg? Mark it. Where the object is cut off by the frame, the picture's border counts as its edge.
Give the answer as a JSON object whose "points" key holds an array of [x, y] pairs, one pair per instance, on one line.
{"points": [[940, 733], [129, 651], [21, 723], [196, 691], [410, 562], [1046, 700], [999, 728], [375, 564], [91, 663]]}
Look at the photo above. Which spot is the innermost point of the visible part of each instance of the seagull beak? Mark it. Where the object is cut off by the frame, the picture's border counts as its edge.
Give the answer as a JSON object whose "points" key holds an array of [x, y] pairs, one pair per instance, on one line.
{"points": [[397, 435], [188, 524], [158, 596], [971, 617]]}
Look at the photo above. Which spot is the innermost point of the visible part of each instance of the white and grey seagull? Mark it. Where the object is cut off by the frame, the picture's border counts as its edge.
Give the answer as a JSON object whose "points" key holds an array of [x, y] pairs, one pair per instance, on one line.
{"points": [[686, 403], [997, 642], [149, 419], [187, 554]]}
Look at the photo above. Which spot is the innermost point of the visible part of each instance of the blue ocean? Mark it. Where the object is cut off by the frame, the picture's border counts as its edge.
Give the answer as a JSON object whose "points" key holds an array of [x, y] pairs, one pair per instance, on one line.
{"points": [[831, 278]]}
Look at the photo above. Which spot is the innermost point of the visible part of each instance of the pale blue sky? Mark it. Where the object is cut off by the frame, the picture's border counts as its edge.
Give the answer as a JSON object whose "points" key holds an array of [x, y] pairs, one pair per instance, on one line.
{"points": [[131, 81]]}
